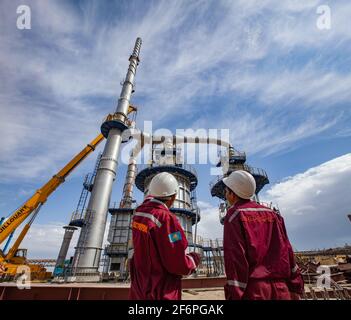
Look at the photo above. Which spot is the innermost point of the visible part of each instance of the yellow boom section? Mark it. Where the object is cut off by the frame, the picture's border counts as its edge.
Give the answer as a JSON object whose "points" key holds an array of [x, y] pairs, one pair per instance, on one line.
{"points": [[41, 195]]}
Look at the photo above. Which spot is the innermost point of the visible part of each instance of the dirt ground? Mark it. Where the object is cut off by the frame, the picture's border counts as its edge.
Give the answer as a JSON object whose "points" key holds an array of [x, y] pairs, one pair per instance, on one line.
{"points": [[201, 294]]}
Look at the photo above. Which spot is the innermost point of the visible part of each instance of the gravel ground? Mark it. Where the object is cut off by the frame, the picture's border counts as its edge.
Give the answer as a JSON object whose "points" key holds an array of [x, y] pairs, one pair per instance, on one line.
{"points": [[203, 294]]}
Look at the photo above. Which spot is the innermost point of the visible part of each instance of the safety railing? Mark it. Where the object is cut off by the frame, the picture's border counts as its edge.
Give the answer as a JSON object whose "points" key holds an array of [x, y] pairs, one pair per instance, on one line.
{"points": [[216, 243], [252, 170], [77, 215], [116, 249], [187, 167]]}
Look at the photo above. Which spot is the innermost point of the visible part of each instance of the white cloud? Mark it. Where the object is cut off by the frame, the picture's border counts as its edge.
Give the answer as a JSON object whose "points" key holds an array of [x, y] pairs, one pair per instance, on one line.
{"points": [[44, 240], [315, 204], [209, 226], [254, 135], [315, 88], [191, 52]]}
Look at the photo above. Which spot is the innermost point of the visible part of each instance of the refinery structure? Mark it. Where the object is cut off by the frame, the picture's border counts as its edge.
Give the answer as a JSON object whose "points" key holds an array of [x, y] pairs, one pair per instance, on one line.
{"points": [[95, 262]]}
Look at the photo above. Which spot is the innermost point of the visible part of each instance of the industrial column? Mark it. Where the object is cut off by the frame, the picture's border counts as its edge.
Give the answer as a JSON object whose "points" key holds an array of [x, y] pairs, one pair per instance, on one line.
{"points": [[87, 258], [60, 262]]}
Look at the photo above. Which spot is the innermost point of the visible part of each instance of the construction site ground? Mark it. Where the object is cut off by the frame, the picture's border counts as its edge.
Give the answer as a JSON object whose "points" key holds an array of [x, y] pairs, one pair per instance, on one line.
{"points": [[119, 291], [203, 294]]}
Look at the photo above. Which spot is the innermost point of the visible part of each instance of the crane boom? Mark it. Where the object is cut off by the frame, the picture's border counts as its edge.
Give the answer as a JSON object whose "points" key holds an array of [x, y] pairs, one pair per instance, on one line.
{"points": [[41, 195]]}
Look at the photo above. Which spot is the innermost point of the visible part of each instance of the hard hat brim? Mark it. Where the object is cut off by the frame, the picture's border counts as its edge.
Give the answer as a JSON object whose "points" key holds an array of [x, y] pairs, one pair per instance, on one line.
{"points": [[168, 195], [225, 181]]}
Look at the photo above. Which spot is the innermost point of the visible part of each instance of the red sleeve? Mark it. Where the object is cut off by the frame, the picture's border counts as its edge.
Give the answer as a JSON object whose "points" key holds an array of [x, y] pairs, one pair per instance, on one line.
{"points": [[236, 263], [295, 283], [171, 243]]}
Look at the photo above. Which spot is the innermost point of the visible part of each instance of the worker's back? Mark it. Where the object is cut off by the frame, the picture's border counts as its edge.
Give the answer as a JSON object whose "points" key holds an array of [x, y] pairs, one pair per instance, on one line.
{"points": [[159, 257], [257, 251]]}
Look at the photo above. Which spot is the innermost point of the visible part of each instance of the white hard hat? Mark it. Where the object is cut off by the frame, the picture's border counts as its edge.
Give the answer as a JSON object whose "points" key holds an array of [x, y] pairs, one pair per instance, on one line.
{"points": [[163, 185], [242, 183]]}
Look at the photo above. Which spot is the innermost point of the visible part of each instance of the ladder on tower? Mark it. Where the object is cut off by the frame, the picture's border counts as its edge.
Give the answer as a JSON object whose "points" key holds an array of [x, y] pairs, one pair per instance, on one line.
{"points": [[194, 207], [82, 241], [78, 215]]}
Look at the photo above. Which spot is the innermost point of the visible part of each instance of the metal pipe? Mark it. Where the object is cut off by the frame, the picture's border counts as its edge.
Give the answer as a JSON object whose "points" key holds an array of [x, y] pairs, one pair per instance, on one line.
{"points": [[204, 140], [127, 88], [196, 222], [88, 257], [148, 139], [8, 241], [127, 197], [143, 139], [69, 230]]}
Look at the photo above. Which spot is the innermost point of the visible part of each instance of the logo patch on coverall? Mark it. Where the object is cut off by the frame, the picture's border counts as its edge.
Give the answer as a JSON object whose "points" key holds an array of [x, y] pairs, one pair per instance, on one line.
{"points": [[139, 226], [175, 236]]}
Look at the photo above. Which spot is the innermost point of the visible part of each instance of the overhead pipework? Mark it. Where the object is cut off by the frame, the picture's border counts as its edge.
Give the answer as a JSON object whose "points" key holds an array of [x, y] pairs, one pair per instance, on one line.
{"points": [[168, 158]]}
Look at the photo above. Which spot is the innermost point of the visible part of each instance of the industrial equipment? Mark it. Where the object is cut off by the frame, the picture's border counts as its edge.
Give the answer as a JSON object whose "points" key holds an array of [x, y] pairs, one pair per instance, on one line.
{"points": [[87, 256], [15, 256]]}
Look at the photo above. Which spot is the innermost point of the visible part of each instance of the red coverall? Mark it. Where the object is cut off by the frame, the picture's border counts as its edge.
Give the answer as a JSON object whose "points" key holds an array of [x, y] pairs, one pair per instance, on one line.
{"points": [[259, 260], [159, 258]]}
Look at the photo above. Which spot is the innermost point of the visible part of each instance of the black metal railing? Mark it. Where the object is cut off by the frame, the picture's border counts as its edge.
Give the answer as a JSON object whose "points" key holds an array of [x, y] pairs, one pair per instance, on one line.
{"points": [[252, 170]]}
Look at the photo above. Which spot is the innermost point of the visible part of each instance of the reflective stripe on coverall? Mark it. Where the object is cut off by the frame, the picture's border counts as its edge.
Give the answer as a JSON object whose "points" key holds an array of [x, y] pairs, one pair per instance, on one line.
{"points": [[159, 259], [259, 260]]}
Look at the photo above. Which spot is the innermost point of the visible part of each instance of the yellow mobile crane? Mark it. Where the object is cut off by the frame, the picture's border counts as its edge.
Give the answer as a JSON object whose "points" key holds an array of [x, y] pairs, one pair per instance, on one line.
{"points": [[15, 256]]}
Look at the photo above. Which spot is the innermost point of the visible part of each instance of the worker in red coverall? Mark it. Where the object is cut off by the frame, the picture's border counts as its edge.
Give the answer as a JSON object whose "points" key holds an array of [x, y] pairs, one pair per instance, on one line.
{"points": [[259, 260], [159, 258]]}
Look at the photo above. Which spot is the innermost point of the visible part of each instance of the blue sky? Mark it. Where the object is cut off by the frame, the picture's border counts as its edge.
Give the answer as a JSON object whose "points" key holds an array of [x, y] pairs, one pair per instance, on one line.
{"points": [[261, 69]]}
